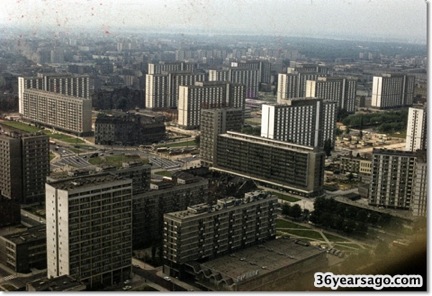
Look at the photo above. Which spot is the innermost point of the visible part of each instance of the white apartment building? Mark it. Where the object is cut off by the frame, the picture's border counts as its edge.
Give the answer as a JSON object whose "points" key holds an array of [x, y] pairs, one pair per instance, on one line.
{"points": [[89, 229], [68, 113], [341, 90], [416, 129], [392, 90], [293, 84], [209, 95], [303, 121]]}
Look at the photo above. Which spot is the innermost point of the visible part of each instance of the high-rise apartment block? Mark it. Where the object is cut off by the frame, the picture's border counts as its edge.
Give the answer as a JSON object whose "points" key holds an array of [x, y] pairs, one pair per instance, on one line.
{"points": [[392, 91], [341, 90], [56, 110], [416, 129], [238, 75], [419, 199], [162, 90], [24, 166], [89, 229], [204, 231], [66, 84], [392, 180], [295, 168], [207, 94], [303, 121], [215, 121], [163, 67], [293, 84]]}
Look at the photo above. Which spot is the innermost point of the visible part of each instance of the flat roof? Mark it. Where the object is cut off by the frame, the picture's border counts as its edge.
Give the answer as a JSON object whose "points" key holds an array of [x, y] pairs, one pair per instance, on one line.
{"points": [[61, 283], [85, 181], [260, 259], [30, 235]]}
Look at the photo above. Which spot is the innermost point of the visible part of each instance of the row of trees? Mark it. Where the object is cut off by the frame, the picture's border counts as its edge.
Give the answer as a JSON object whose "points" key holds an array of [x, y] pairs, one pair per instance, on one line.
{"points": [[390, 121], [295, 212]]}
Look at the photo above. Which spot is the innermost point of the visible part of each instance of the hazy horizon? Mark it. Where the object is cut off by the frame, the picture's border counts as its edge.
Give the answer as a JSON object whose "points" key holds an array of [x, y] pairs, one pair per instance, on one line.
{"points": [[399, 20]]}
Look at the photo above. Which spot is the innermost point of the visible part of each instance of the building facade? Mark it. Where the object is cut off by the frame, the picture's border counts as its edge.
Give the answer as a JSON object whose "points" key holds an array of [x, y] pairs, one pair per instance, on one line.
{"points": [[214, 122], [303, 121], [63, 112], [128, 129], [392, 179], [24, 250], [66, 84], [238, 75], [419, 204], [416, 129], [392, 91], [149, 208], [204, 231], [89, 229], [295, 168], [25, 166], [293, 84], [341, 90], [212, 94], [162, 90]]}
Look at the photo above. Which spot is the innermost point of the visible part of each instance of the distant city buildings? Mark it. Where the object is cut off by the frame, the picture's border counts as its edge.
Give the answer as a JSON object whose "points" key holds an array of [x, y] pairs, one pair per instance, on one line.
{"points": [[392, 91], [25, 166], [293, 83], [291, 167], [416, 133], [215, 121], [303, 121], [341, 90], [128, 129], [162, 89], [89, 229], [236, 74], [214, 94]]}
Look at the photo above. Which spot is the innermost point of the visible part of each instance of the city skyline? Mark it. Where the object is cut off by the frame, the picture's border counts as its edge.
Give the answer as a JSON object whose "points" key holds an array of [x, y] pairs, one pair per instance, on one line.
{"points": [[343, 19]]}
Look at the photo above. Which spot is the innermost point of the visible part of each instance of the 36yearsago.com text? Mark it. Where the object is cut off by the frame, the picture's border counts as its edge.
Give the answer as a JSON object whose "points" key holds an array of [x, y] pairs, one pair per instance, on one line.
{"points": [[377, 282]]}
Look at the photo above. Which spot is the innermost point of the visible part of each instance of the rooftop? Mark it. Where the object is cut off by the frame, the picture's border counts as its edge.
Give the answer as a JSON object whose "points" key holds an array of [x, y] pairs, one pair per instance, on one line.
{"points": [[80, 182], [30, 235], [258, 260], [61, 283]]}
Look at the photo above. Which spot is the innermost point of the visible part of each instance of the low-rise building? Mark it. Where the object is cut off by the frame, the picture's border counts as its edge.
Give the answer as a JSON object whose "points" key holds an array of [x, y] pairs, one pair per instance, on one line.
{"points": [[61, 283], [277, 265], [24, 250], [128, 129]]}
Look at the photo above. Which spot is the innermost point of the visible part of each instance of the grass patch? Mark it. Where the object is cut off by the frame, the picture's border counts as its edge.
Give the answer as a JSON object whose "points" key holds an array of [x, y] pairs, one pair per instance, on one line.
{"points": [[335, 238], [312, 234], [52, 156], [164, 173], [346, 247], [285, 197], [288, 224], [65, 138], [21, 126]]}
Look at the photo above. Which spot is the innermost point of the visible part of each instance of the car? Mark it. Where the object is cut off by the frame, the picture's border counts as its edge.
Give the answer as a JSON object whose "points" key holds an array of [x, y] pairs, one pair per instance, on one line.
{"points": [[125, 288], [127, 282], [167, 278]]}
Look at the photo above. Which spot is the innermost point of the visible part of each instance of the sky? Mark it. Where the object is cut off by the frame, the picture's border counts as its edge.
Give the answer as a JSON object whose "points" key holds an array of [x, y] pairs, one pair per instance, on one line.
{"points": [[399, 19]]}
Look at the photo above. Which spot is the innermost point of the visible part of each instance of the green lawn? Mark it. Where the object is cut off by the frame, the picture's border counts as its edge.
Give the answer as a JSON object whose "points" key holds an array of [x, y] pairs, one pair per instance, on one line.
{"points": [[346, 247], [288, 224], [285, 197], [164, 173], [21, 126], [334, 238], [52, 155], [312, 234], [32, 129]]}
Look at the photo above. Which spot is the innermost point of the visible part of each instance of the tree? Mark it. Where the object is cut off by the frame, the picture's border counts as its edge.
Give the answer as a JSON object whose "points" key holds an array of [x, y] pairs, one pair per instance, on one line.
{"points": [[295, 211], [286, 209], [328, 147], [197, 140]]}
